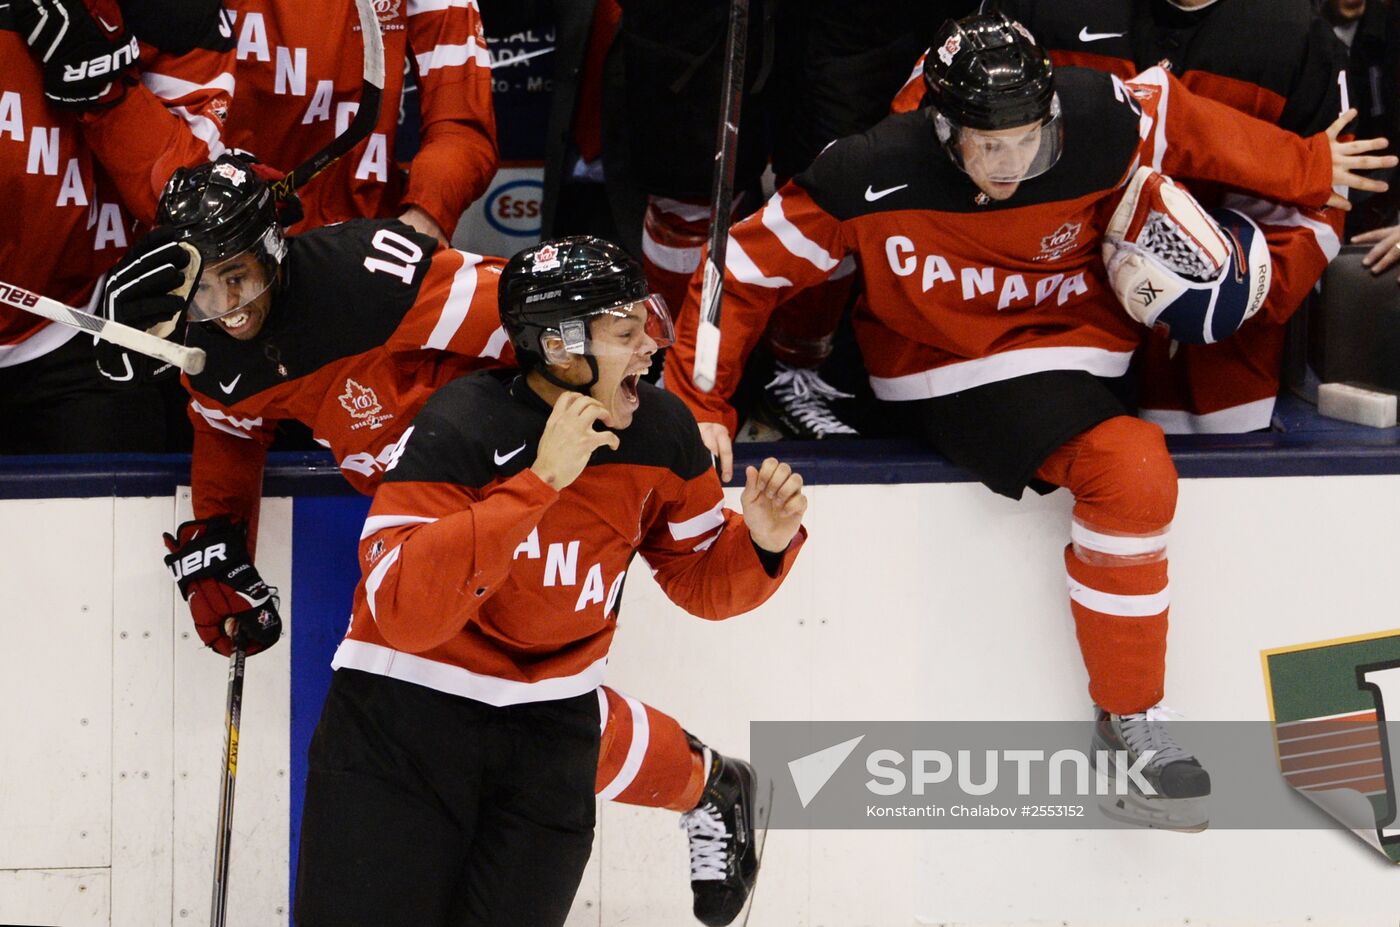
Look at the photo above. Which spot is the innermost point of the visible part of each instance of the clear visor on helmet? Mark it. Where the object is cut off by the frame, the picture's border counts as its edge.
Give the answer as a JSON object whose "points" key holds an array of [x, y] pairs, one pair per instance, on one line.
{"points": [[228, 285], [625, 329], [1004, 155]]}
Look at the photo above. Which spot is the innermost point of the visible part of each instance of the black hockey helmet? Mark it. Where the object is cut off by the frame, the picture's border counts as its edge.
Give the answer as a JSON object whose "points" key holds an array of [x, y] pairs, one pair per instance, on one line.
{"points": [[225, 210], [987, 73], [548, 293]]}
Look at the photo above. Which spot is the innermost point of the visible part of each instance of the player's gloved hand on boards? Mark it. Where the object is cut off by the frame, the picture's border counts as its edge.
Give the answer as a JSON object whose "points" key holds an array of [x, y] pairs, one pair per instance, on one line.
{"points": [[149, 289], [87, 61], [231, 604]]}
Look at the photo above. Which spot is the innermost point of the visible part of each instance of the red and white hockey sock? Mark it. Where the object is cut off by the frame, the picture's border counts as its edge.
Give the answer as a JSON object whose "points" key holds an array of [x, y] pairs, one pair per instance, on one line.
{"points": [[1124, 485], [673, 235], [645, 758]]}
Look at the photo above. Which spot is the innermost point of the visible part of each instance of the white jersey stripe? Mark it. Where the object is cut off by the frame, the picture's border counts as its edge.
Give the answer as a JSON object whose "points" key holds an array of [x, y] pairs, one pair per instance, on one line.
{"points": [[738, 263], [172, 88], [450, 56], [1247, 416], [376, 523], [457, 680], [428, 6], [797, 244], [953, 378], [1267, 213], [459, 303], [703, 523]]}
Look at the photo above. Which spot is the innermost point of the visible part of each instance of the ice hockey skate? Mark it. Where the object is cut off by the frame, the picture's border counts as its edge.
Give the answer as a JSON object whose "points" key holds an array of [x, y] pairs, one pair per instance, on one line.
{"points": [[724, 854], [1178, 779], [797, 401]]}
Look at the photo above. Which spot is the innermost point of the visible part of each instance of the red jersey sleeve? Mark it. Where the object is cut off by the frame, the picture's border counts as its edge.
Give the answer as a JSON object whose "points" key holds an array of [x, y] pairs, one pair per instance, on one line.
{"points": [[455, 311], [1189, 137], [226, 470], [173, 118], [462, 537], [788, 245], [458, 154], [704, 558]]}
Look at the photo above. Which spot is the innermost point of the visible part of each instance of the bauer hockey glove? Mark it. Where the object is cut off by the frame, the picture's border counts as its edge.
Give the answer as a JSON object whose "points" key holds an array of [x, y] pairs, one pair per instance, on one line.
{"points": [[209, 560], [149, 289], [87, 61]]}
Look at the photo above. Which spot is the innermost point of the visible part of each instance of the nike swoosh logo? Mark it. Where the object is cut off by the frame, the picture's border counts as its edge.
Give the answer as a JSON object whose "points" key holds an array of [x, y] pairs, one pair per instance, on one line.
{"points": [[105, 25], [229, 386], [502, 458], [873, 195], [1086, 36]]}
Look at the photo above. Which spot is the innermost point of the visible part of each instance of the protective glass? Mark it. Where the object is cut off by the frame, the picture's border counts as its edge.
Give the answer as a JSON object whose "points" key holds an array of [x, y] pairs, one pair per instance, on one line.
{"points": [[621, 329], [1005, 155], [227, 286]]}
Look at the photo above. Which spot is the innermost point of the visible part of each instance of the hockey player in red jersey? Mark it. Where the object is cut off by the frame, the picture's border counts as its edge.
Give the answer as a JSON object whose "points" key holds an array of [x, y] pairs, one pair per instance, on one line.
{"points": [[451, 771], [77, 162], [299, 76], [990, 326], [348, 329], [1296, 81]]}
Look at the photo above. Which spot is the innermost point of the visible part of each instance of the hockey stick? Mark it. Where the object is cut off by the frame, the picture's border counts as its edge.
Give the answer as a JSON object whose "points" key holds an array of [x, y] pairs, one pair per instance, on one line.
{"points": [[190, 360], [366, 116], [722, 196], [219, 904]]}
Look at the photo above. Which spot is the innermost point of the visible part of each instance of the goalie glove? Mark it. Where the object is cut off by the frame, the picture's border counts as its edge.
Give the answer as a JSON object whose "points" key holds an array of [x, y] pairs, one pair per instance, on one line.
{"points": [[231, 604], [87, 61], [149, 289], [1170, 262]]}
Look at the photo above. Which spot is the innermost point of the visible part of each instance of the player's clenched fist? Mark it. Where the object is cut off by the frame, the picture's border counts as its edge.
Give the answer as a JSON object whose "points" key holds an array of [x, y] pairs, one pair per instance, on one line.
{"points": [[773, 504], [569, 439]]}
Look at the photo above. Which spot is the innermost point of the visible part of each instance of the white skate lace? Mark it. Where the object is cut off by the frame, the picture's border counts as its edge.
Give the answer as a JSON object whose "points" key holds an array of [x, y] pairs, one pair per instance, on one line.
{"points": [[709, 843], [1147, 730], [804, 395]]}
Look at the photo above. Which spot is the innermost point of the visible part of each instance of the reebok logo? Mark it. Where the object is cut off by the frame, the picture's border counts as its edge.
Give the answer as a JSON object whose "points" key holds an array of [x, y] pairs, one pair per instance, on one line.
{"points": [[1086, 36], [873, 195], [502, 458], [812, 772]]}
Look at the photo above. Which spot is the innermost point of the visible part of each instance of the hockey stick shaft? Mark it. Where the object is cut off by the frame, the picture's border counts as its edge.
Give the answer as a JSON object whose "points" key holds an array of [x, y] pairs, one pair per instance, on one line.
{"points": [[721, 196], [233, 711], [190, 360], [366, 116]]}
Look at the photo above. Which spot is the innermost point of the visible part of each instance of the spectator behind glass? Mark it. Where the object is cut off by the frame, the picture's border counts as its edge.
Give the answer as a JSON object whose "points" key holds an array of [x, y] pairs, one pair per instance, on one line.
{"points": [[83, 172]]}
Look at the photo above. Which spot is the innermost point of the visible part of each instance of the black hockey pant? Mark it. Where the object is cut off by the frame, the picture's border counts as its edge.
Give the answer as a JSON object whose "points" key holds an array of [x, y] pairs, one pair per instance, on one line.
{"points": [[426, 809]]}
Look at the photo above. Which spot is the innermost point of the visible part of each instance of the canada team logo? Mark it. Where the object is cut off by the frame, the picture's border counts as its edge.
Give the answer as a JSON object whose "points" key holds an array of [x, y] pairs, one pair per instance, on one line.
{"points": [[387, 10], [950, 48], [363, 405], [232, 174], [1329, 703], [547, 258], [1059, 242]]}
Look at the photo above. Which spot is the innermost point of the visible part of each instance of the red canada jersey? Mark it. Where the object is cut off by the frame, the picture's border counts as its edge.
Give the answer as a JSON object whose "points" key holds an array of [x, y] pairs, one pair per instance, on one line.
{"points": [[481, 580], [368, 320], [1294, 80], [300, 70], [75, 184], [963, 290]]}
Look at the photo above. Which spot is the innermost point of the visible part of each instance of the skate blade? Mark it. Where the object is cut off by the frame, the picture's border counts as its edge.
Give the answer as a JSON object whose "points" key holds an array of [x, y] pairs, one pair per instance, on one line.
{"points": [[762, 808], [1185, 815]]}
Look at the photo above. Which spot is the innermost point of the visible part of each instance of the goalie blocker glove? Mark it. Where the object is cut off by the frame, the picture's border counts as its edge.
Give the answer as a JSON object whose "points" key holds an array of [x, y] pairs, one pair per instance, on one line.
{"points": [[149, 289], [87, 61], [1172, 263], [209, 560]]}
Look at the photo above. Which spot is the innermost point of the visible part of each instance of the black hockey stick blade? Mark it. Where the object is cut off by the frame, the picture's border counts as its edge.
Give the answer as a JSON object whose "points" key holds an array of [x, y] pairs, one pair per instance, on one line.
{"points": [[366, 116], [722, 195]]}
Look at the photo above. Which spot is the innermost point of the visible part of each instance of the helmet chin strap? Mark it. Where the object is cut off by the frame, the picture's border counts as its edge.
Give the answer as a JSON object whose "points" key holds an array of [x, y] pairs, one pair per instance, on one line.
{"points": [[572, 387]]}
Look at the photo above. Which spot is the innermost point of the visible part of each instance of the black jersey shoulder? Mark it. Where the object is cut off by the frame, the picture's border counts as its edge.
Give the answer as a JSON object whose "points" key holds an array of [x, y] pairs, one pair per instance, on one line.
{"points": [[486, 426], [330, 304], [1261, 42], [900, 165]]}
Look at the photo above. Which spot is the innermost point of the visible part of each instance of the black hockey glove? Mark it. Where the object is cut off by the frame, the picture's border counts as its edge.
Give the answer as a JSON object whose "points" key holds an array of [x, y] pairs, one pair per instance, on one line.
{"points": [[149, 289], [87, 61], [231, 604]]}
